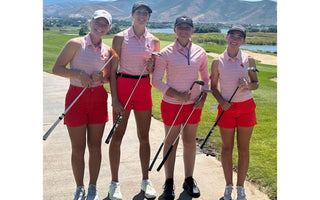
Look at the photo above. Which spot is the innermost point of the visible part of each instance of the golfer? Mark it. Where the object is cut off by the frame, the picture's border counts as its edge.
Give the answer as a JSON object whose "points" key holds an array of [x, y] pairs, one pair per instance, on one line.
{"points": [[183, 62], [87, 117], [134, 47], [228, 70]]}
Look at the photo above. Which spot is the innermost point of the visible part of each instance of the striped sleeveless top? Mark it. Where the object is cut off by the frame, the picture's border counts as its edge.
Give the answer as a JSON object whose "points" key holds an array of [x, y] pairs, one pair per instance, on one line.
{"points": [[135, 51], [230, 71], [89, 59]]}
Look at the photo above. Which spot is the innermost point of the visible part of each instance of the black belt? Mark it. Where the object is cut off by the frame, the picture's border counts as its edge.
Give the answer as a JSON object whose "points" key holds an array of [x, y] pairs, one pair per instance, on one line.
{"points": [[131, 76]]}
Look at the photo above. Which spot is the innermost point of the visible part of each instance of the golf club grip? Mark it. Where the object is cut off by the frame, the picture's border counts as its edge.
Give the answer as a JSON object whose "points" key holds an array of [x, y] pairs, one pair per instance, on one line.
{"points": [[46, 135], [156, 156], [114, 127], [165, 158]]}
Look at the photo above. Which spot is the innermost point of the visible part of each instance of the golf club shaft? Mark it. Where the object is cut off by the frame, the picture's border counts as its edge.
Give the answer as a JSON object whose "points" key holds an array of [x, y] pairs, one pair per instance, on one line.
{"points": [[211, 130], [172, 145], [215, 124], [46, 135], [165, 158], [176, 139], [157, 154], [119, 118], [164, 140]]}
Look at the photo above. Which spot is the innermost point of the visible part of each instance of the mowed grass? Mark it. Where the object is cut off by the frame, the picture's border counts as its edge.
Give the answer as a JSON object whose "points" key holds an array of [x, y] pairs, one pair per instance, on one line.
{"points": [[263, 147]]}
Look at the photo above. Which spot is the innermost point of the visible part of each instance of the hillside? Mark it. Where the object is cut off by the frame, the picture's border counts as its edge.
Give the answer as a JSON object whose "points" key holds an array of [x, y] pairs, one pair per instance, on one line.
{"points": [[204, 11]]}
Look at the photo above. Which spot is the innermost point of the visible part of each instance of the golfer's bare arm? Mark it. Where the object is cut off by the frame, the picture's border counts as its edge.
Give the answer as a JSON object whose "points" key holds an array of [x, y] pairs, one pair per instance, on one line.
{"points": [[116, 45], [215, 83], [156, 42], [253, 78], [215, 80], [64, 58]]}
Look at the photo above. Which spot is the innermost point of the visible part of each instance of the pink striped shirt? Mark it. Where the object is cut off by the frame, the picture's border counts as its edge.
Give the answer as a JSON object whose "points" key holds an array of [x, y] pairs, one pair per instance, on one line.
{"points": [[181, 72], [89, 59], [230, 70], [135, 51]]}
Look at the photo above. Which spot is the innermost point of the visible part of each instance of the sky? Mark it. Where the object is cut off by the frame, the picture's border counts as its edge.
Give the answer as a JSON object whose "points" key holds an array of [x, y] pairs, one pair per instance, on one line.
{"points": [[243, 0], [48, 2], [259, 0]]}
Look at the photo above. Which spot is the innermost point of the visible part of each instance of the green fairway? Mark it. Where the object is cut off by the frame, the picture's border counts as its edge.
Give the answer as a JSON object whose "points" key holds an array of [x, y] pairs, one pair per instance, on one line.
{"points": [[263, 147]]}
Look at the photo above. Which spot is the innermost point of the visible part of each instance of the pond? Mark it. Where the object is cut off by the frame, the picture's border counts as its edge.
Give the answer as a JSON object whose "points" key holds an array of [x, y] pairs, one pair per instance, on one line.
{"points": [[270, 48]]}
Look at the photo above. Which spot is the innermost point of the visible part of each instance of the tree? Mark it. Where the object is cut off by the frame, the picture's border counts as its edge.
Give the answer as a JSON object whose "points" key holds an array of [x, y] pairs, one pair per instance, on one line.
{"points": [[207, 29], [84, 30], [114, 29]]}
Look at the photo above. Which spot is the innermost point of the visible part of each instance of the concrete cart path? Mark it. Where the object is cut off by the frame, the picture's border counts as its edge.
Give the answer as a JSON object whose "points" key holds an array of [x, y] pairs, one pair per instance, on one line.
{"points": [[58, 181]]}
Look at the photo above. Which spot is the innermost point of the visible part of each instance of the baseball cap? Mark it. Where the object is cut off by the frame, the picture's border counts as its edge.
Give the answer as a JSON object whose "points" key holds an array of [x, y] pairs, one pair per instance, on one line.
{"points": [[138, 4], [104, 14], [183, 19], [238, 28]]}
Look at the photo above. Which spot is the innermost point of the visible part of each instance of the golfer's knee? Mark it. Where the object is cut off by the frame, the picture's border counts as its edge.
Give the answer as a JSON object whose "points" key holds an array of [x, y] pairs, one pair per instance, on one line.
{"points": [[189, 144], [116, 141], [243, 149], [78, 152], [144, 140], [243, 152], [94, 148], [227, 149]]}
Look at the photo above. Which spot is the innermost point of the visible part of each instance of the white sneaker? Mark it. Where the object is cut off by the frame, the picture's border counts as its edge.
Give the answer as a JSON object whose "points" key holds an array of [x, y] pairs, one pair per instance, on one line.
{"points": [[240, 193], [92, 193], [114, 191], [80, 193], [147, 187], [228, 192]]}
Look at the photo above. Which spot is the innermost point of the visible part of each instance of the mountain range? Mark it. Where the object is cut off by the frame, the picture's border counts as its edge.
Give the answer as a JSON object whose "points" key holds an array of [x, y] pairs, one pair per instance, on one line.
{"points": [[202, 11]]}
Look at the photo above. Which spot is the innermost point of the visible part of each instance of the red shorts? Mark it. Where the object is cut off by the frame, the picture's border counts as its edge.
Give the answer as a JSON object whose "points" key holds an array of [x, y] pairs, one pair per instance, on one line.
{"points": [[240, 114], [141, 98], [90, 108], [169, 112]]}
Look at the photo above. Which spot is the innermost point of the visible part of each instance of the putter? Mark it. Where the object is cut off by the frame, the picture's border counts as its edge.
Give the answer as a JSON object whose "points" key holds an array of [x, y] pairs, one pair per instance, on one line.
{"points": [[215, 124], [178, 136], [119, 117], [164, 140], [46, 135]]}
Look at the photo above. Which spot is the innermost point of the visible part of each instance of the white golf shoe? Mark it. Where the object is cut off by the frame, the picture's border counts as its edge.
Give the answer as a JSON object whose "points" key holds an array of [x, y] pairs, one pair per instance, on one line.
{"points": [[114, 191], [228, 192], [240, 193], [147, 187], [92, 193], [80, 193]]}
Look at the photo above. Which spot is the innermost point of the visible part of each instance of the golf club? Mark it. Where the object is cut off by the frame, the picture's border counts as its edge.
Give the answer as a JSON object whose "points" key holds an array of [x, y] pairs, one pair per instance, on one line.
{"points": [[164, 140], [46, 135], [215, 124], [178, 136], [119, 117]]}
